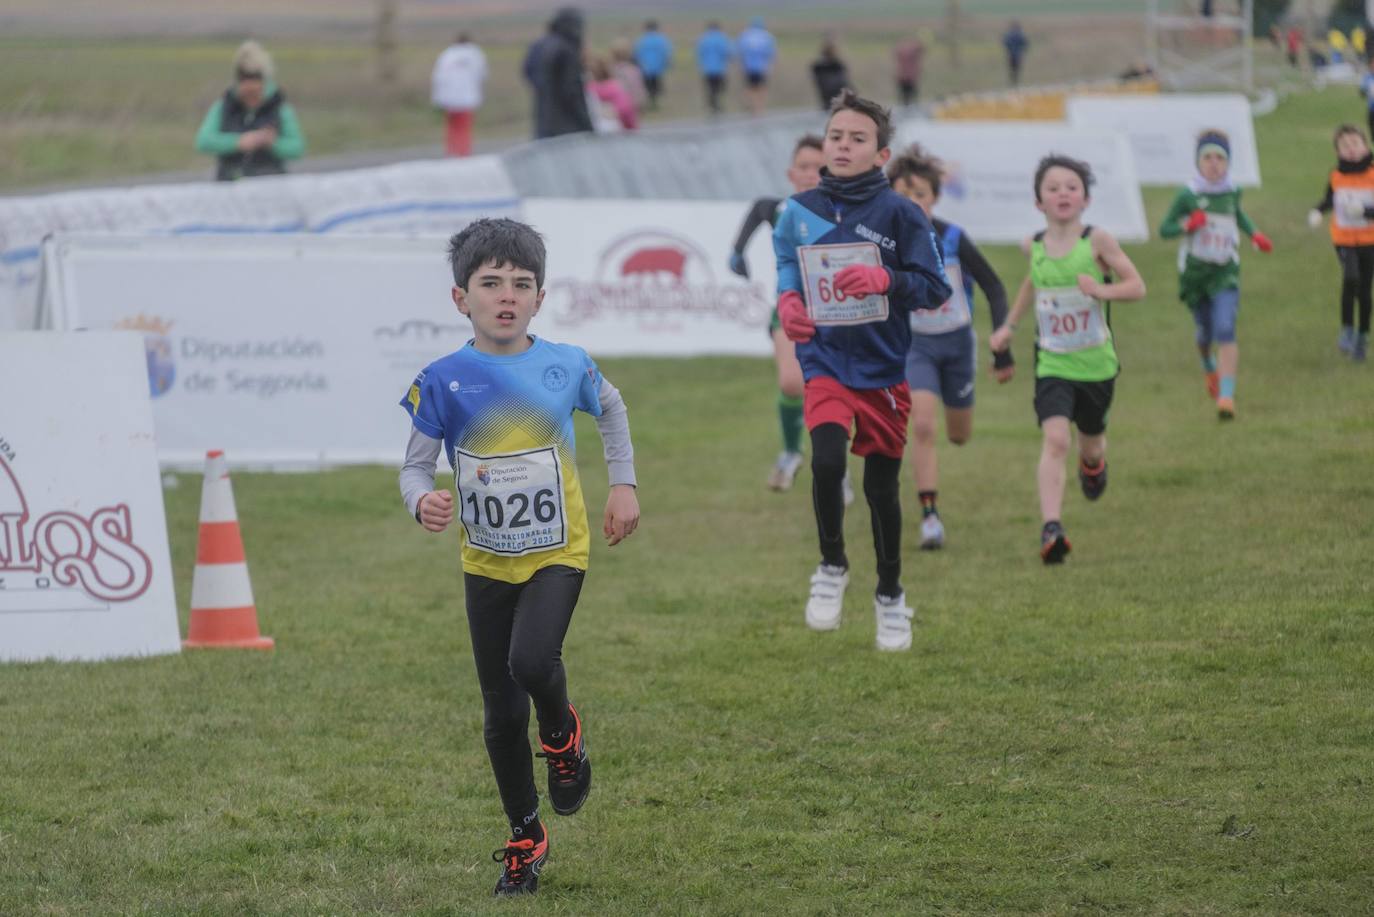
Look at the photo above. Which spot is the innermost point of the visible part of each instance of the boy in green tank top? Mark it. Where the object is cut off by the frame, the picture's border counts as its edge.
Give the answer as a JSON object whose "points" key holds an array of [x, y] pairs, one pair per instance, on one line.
{"points": [[1207, 214], [1075, 362]]}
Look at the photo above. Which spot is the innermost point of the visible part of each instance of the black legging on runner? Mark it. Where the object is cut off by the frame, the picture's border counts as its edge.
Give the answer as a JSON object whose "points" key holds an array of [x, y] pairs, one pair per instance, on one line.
{"points": [[829, 448], [1357, 278], [517, 641]]}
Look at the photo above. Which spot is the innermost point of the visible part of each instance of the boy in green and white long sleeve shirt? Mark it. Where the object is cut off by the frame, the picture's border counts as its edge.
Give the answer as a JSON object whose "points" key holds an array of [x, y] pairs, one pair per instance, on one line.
{"points": [[1208, 215]]}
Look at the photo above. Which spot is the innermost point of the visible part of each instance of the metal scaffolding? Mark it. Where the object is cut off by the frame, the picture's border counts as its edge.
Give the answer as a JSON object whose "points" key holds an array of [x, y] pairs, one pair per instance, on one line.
{"points": [[1191, 51]]}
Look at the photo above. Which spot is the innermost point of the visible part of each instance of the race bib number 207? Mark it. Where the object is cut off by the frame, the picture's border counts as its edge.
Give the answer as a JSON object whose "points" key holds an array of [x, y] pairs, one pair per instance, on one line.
{"points": [[512, 504]]}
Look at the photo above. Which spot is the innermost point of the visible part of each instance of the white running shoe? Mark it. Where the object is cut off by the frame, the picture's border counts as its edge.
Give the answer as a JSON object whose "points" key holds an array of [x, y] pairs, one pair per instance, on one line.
{"points": [[826, 603], [848, 489], [784, 471], [932, 533], [894, 623]]}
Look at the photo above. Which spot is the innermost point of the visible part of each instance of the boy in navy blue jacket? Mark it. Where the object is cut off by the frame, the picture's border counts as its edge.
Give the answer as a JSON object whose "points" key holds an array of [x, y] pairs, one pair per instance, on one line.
{"points": [[854, 258]]}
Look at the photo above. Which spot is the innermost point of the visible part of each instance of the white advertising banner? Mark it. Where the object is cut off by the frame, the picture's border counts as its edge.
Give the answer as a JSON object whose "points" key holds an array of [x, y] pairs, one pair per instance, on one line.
{"points": [[295, 349], [652, 278], [439, 196], [988, 187], [1163, 131], [85, 572], [281, 350]]}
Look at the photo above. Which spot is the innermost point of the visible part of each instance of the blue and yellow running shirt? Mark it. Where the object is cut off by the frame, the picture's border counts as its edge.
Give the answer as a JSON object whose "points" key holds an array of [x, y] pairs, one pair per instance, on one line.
{"points": [[506, 423]]}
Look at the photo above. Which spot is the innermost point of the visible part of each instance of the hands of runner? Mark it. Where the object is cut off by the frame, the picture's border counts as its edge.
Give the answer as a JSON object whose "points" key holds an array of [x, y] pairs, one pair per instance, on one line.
{"points": [[1089, 287], [1196, 220], [738, 265], [1314, 218], [1261, 242], [1000, 339], [796, 324], [622, 514], [1003, 374], [860, 280], [436, 510]]}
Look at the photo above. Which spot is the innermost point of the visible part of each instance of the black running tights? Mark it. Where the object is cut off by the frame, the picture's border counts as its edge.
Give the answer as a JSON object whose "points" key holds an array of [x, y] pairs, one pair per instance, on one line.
{"points": [[829, 448], [517, 640], [1357, 277]]}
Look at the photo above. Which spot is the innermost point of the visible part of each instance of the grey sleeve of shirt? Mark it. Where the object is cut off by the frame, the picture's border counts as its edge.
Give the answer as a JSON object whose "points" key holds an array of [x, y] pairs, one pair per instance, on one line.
{"points": [[417, 472], [614, 427]]}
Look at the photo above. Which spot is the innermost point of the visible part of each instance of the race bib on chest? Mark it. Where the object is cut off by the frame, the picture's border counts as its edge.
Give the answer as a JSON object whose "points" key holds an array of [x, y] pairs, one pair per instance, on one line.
{"points": [[951, 316], [827, 305], [1216, 242], [1349, 205], [512, 504], [1068, 320]]}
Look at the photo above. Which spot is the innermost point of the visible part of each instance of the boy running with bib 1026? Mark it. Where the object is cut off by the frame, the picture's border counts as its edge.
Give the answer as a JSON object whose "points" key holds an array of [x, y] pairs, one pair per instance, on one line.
{"points": [[943, 361], [854, 258], [1075, 358], [1207, 214], [501, 410], [803, 174]]}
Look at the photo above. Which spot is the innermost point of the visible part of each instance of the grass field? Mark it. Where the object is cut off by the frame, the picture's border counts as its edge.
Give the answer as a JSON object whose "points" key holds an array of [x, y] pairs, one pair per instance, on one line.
{"points": [[1179, 721]]}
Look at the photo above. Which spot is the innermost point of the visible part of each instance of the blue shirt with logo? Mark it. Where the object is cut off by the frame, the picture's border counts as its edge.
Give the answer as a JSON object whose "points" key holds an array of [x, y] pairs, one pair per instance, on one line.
{"points": [[466, 396], [489, 405]]}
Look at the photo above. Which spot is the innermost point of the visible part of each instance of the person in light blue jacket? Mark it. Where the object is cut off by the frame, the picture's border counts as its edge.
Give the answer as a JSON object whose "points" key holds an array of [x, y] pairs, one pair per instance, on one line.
{"points": [[757, 51], [654, 56], [714, 51]]}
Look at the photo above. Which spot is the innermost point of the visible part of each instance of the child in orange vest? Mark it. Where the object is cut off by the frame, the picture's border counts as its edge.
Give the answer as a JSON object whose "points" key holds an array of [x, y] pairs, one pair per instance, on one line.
{"points": [[1350, 198]]}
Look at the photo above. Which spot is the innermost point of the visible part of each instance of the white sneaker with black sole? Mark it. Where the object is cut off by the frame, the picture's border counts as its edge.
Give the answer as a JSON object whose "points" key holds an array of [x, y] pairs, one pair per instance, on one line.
{"points": [[824, 607], [894, 623]]}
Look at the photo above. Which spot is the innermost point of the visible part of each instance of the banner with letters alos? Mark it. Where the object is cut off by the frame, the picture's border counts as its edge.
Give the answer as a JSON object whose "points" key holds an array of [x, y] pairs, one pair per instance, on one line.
{"points": [[1163, 131], [85, 571], [294, 350], [438, 197], [988, 187]]}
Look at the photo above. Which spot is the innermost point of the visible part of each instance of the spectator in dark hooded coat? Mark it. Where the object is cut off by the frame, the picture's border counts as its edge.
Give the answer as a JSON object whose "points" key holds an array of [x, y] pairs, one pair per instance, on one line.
{"points": [[554, 64]]}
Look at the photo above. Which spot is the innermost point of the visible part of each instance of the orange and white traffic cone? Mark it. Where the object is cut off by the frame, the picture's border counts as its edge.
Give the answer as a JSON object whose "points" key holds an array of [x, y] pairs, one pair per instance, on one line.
{"points": [[222, 609]]}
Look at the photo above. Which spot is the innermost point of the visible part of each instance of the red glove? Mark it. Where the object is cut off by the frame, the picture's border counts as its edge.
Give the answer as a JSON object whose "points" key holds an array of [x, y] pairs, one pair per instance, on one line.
{"points": [[1196, 220], [796, 324], [1262, 242], [861, 280]]}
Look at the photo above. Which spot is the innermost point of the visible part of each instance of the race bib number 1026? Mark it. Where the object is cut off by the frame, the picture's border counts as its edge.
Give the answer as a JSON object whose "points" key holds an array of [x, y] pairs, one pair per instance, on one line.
{"points": [[512, 504]]}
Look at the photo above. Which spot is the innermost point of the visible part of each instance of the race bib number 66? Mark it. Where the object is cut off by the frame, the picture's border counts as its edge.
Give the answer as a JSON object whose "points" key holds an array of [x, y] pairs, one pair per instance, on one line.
{"points": [[512, 504], [826, 304]]}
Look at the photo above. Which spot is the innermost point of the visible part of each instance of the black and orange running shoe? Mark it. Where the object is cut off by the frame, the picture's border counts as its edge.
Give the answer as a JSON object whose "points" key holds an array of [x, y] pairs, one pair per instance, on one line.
{"points": [[1054, 544], [570, 771], [1092, 482], [521, 862]]}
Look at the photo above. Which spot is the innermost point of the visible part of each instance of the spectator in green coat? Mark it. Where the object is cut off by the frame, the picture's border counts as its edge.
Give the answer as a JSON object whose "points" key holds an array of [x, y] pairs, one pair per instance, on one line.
{"points": [[251, 129]]}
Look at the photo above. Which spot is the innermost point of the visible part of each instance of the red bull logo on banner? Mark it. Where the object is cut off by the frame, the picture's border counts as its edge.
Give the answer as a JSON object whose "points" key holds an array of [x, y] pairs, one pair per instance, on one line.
{"points": [[659, 275]]}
